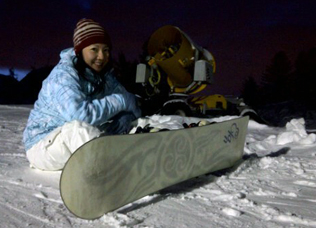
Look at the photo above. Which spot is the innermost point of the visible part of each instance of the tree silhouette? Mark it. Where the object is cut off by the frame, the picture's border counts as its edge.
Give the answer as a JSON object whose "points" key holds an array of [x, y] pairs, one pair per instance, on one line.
{"points": [[12, 73], [305, 77], [144, 54], [282, 83], [8, 90], [249, 91], [31, 84], [126, 72], [276, 79]]}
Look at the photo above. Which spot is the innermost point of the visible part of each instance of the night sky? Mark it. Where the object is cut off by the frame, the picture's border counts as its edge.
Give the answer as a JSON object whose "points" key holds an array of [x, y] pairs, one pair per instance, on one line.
{"points": [[243, 35]]}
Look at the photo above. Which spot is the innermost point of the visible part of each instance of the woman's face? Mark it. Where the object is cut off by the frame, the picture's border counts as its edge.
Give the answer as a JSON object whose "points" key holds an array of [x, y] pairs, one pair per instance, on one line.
{"points": [[96, 56]]}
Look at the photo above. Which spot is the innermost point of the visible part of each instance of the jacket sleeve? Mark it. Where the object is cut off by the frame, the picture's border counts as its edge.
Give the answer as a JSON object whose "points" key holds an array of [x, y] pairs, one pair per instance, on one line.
{"points": [[72, 104], [119, 89]]}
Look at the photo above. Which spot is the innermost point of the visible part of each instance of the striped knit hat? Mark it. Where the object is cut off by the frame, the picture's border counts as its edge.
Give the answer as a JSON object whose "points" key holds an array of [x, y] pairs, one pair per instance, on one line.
{"points": [[89, 32]]}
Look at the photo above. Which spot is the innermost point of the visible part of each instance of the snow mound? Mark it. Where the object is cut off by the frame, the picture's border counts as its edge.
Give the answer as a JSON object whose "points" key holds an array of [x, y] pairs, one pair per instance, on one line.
{"points": [[293, 135]]}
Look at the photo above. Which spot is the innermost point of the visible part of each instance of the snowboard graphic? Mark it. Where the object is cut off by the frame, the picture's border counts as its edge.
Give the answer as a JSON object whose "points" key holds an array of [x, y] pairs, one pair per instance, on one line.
{"points": [[112, 171]]}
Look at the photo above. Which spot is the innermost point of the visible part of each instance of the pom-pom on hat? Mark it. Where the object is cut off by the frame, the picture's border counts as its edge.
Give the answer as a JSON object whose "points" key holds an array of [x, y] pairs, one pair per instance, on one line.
{"points": [[89, 32]]}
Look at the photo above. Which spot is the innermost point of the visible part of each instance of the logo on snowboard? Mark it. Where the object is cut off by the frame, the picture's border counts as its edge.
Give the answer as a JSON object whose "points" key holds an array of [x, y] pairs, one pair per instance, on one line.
{"points": [[231, 134]]}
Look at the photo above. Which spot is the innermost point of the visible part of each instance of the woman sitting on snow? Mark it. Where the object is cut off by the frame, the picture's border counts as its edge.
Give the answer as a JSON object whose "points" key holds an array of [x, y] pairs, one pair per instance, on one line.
{"points": [[77, 98]]}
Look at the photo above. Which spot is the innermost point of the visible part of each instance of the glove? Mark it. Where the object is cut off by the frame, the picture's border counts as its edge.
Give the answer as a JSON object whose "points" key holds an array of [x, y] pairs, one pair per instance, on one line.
{"points": [[131, 104], [121, 124]]}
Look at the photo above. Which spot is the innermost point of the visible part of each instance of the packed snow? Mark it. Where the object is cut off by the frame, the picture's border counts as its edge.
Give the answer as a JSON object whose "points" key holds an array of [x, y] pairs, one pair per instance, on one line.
{"points": [[274, 186]]}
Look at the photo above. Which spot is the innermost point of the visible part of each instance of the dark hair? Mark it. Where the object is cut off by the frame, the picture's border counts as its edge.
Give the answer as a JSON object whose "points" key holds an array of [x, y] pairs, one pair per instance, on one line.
{"points": [[80, 65]]}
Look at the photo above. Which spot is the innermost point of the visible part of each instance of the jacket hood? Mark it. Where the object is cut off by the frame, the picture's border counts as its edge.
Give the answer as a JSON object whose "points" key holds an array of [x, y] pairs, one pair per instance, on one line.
{"points": [[67, 55]]}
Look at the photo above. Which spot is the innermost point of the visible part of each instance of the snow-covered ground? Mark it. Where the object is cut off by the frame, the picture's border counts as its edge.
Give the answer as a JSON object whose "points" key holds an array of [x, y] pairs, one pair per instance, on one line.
{"points": [[275, 186]]}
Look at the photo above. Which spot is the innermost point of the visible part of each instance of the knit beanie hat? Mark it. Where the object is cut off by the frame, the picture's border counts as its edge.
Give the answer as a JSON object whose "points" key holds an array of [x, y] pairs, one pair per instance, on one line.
{"points": [[89, 32]]}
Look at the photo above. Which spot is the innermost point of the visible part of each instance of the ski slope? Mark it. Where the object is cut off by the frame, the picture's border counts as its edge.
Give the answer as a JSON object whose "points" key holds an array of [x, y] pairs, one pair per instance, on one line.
{"points": [[275, 186]]}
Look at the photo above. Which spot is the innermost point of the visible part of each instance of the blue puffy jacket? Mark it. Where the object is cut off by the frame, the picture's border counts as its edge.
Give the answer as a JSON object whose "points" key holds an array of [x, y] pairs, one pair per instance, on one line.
{"points": [[65, 97]]}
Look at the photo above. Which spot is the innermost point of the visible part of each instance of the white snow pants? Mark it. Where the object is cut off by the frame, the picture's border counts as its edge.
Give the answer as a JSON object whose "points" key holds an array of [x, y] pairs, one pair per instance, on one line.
{"points": [[52, 152]]}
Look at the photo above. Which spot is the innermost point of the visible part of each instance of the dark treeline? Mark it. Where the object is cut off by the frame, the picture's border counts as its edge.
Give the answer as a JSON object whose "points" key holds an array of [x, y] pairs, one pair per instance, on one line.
{"points": [[281, 81], [286, 90], [26, 91], [284, 81]]}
